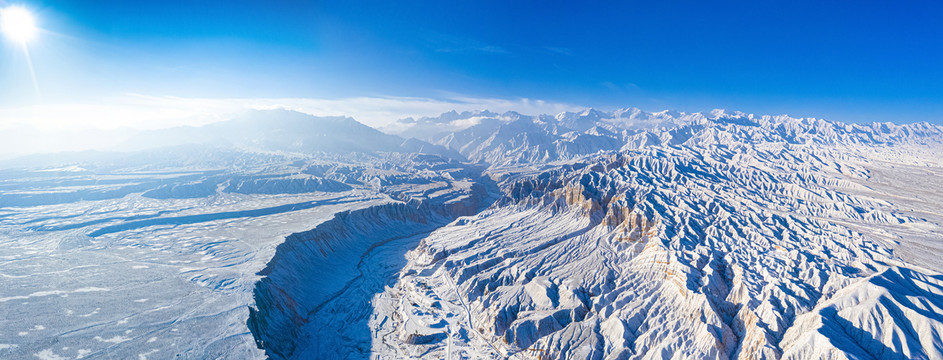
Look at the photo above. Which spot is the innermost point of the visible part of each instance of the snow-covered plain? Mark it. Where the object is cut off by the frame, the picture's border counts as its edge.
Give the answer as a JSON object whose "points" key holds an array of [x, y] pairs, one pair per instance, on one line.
{"points": [[135, 276], [597, 235]]}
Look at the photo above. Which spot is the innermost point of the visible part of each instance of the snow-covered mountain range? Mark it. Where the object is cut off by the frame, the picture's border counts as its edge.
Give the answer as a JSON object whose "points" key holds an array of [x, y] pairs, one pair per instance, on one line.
{"points": [[512, 138], [588, 235]]}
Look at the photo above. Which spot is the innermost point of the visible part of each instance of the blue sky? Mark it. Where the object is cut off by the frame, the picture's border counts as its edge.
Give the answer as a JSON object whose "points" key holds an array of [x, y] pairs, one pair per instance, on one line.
{"points": [[853, 61]]}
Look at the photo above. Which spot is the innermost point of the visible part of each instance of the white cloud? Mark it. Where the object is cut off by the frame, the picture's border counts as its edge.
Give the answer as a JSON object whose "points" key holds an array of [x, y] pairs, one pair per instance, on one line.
{"points": [[152, 112]]}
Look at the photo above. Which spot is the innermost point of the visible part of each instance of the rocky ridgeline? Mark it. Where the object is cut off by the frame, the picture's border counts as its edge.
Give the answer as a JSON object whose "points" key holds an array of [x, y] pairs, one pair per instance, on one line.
{"points": [[710, 251], [620, 235], [512, 138]]}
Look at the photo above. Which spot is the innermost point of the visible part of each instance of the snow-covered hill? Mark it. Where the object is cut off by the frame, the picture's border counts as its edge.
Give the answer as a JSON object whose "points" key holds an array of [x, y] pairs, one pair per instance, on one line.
{"points": [[689, 236], [680, 252], [587, 235]]}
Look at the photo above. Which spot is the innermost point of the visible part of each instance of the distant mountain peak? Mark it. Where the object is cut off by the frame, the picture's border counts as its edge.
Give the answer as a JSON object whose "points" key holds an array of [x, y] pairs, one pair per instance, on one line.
{"points": [[287, 131], [513, 137]]}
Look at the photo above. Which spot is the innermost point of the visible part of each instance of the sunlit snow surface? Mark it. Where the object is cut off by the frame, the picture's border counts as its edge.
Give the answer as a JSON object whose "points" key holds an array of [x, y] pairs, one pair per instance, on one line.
{"points": [[582, 235], [181, 287], [717, 248]]}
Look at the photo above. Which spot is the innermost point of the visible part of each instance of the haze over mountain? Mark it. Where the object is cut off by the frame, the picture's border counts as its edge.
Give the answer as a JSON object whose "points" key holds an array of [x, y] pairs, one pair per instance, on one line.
{"points": [[283, 130], [515, 138]]}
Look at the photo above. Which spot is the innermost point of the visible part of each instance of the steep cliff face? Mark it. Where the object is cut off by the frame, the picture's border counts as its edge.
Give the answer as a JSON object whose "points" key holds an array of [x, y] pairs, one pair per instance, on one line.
{"points": [[323, 276]]}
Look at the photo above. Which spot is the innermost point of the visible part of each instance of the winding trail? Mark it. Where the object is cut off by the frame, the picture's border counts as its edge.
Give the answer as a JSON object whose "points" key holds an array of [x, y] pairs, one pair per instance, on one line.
{"points": [[469, 317]]}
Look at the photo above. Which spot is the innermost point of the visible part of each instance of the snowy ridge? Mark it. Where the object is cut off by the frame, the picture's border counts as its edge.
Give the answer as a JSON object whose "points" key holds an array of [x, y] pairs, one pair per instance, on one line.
{"points": [[708, 247], [512, 138], [897, 306]]}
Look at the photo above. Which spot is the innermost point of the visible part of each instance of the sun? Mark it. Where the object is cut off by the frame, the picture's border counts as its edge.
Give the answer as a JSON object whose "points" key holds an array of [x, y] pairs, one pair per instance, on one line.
{"points": [[17, 24]]}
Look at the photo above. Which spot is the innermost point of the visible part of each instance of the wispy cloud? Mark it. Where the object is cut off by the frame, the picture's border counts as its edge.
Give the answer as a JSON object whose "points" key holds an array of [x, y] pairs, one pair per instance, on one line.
{"points": [[462, 44], [559, 50], [622, 87]]}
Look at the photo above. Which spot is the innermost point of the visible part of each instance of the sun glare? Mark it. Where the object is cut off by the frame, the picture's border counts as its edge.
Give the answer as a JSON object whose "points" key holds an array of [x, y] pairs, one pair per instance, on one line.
{"points": [[17, 24]]}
